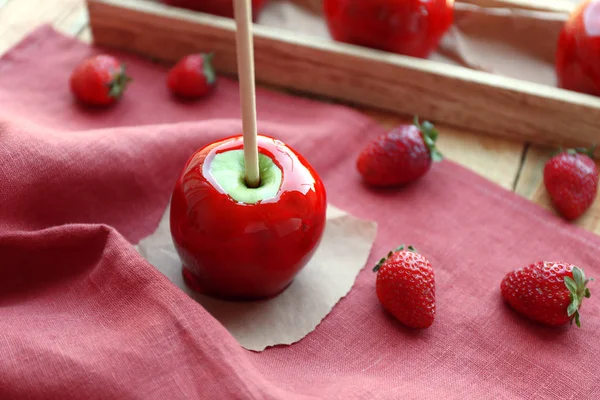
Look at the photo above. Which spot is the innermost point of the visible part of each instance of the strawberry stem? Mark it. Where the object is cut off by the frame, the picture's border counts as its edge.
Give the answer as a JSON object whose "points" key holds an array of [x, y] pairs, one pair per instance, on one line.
{"points": [[430, 135], [397, 249], [119, 83], [208, 69], [581, 150], [577, 292], [379, 264]]}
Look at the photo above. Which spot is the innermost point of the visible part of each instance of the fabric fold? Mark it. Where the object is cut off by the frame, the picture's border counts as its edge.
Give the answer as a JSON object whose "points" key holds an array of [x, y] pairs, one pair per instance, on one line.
{"points": [[84, 316]]}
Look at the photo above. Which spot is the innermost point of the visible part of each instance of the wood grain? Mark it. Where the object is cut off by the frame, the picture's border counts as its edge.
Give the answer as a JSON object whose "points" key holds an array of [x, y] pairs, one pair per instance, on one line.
{"points": [[452, 95], [531, 175], [564, 6]]}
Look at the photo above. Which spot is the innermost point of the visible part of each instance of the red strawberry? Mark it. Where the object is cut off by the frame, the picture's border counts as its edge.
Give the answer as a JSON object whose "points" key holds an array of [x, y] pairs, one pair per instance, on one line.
{"points": [[399, 156], [547, 292], [99, 80], [571, 179], [193, 76], [406, 287]]}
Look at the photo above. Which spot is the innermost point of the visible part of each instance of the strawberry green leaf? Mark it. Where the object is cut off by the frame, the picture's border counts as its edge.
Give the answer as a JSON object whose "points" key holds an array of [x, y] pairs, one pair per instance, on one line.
{"points": [[430, 136], [436, 156], [428, 127], [117, 85], [577, 292], [578, 277], [588, 152], [581, 150], [208, 69], [379, 264], [571, 285], [572, 309], [384, 259]]}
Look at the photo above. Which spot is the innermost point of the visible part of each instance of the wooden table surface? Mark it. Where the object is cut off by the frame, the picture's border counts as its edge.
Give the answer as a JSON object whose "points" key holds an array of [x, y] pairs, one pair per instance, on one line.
{"points": [[514, 165]]}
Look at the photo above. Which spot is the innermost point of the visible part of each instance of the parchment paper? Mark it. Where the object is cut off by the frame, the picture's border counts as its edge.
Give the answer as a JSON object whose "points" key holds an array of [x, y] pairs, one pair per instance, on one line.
{"points": [[297, 311], [510, 42]]}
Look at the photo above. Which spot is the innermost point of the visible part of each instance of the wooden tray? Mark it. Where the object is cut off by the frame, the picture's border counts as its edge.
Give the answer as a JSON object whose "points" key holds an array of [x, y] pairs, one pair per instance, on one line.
{"points": [[453, 95]]}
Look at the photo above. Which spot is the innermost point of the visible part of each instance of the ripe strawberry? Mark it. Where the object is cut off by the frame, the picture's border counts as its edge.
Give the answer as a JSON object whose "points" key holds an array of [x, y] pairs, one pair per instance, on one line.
{"points": [[399, 156], [99, 80], [571, 179], [547, 292], [406, 287], [193, 76]]}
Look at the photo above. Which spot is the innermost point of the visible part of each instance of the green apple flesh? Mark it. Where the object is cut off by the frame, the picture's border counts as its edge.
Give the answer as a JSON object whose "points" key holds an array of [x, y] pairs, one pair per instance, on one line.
{"points": [[228, 171]]}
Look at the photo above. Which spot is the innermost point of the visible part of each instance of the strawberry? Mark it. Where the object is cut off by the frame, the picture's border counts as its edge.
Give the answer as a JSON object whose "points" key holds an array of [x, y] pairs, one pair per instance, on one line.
{"points": [[571, 179], [99, 80], [547, 292], [402, 155], [406, 287], [193, 76]]}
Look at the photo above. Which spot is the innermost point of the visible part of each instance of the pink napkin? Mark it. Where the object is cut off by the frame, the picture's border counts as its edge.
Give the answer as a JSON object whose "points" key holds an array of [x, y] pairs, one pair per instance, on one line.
{"points": [[83, 316]]}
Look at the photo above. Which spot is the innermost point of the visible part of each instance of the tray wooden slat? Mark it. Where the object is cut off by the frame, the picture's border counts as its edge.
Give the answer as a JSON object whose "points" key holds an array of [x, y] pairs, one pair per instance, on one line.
{"points": [[564, 6], [443, 93]]}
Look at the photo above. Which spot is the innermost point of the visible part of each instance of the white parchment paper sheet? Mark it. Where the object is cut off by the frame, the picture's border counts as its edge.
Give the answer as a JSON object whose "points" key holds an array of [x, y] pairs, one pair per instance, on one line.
{"points": [[296, 312]]}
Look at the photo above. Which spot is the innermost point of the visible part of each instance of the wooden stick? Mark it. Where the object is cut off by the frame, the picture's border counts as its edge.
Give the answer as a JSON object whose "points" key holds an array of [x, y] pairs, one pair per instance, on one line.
{"points": [[245, 59]]}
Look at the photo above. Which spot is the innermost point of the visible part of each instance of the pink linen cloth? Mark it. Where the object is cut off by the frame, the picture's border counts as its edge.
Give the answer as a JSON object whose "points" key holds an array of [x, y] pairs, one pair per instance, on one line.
{"points": [[84, 316]]}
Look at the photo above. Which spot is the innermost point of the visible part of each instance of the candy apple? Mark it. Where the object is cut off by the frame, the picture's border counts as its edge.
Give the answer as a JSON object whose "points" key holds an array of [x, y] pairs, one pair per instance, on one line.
{"points": [[223, 8], [243, 243], [578, 50], [408, 27]]}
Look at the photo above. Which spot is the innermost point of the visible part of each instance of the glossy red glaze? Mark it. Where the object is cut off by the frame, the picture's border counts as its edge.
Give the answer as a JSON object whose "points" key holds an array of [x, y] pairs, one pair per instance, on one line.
{"points": [[578, 50], [223, 8], [408, 27], [243, 251]]}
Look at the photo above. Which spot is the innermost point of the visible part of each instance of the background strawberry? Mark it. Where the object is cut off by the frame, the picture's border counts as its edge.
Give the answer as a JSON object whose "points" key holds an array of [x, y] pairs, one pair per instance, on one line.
{"points": [[399, 156], [193, 76], [571, 179], [547, 292], [406, 287], [99, 80]]}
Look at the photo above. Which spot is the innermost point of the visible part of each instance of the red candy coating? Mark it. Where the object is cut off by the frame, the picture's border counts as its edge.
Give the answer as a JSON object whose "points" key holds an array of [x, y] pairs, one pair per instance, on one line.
{"points": [[246, 251], [578, 50], [409, 27]]}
